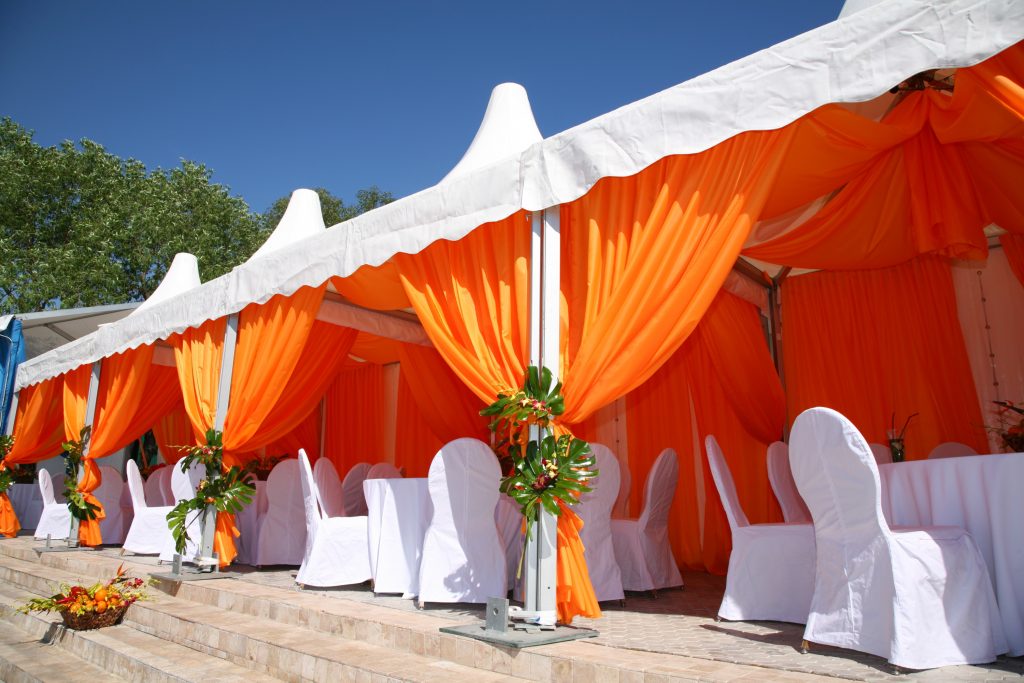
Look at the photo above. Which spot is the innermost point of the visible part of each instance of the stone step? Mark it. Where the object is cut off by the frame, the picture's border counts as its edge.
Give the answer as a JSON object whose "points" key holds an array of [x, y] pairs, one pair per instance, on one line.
{"points": [[122, 650], [285, 651], [25, 659]]}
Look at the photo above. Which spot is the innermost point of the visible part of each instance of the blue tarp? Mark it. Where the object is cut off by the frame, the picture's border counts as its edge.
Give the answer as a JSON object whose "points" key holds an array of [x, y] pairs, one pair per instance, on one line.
{"points": [[12, 353]]}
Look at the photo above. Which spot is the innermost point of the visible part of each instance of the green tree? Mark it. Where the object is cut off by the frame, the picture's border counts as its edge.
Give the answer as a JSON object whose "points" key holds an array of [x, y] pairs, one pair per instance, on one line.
{"points": [[82, 227], [334, 208]]}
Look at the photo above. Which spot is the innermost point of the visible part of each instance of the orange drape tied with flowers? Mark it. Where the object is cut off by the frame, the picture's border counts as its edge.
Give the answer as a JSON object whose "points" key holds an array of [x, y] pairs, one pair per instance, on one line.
{"points": [[877, 342], [38, 422], [9, 524], [76, 388]]}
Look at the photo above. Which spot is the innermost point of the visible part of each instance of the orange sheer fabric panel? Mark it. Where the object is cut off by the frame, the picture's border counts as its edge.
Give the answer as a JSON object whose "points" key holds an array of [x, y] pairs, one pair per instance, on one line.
{"points": [[325, 352], [9, 524], [38, 422], [305, 435], [927, 179], [451, 409], [224, 539], [644, 256], [76, 393], [271, 339], [379, 350], [377, 287], [873, 343], [472, 297], [355, 417], [1013, 247], [159, 397], [172, 430], [415, 441], [574, 592], [197, 354]]}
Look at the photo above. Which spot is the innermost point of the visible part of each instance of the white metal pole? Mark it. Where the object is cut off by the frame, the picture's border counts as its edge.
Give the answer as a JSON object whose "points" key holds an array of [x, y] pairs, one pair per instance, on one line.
{"points": [[12, 413]]}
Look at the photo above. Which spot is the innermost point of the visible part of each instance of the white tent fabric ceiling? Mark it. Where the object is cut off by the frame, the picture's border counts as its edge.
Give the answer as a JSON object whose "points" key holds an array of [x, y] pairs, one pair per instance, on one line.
{"points": [[853, 59]]}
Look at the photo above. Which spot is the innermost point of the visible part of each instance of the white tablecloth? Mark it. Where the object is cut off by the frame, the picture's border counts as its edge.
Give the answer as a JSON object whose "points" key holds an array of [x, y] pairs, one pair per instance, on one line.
{"points": [[247, 523], [985, 496], [27, 502]]}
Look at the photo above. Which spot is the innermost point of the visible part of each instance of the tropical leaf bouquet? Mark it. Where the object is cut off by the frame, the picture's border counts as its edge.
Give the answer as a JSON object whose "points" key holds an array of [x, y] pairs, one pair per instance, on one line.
{"points": [[87, 607], [1010, 427], [7, 476], [74, 452], [543, 471]]}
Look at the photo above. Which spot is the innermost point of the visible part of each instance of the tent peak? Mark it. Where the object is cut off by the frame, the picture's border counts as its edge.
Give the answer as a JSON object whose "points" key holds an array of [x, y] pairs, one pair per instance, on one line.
{"points": [[854, 6], [302, 218], [181, 276], [508, 127]]}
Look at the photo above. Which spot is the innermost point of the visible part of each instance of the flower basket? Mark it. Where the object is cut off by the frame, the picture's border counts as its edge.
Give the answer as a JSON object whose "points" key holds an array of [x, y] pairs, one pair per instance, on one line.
{"points": [[91, 620]]}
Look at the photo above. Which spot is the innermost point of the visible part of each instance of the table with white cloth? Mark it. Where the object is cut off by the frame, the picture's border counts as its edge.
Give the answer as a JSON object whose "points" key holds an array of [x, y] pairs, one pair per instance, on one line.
{"points": [[27, 502], [982, 494], [399, 512], [247, 523]]}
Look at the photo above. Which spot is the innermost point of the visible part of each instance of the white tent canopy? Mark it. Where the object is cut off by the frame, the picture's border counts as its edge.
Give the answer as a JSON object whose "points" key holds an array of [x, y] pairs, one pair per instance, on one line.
{"points": [[853, 59]]}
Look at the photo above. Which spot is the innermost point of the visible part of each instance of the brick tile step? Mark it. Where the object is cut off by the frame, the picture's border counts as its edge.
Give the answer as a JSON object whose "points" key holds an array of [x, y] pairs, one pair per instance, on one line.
{"points": [[284, 651], [24, 659]]}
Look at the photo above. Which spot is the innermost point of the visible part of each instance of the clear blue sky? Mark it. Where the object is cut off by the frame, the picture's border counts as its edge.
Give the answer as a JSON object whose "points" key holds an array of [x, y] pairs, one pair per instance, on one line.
{"points": [[275, 96]]}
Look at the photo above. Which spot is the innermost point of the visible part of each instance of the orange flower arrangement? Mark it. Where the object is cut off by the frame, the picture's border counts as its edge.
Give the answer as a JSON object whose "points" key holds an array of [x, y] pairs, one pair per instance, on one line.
{"points": [[85, 607], [1011, 426]]}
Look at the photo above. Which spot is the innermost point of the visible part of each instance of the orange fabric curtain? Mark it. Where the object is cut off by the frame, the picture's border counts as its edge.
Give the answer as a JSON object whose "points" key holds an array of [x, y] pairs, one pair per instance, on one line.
{"points": [[355, 417], [160, 394], [76, 394], [927, 179], [9, 524], [173, 430], [197, 355], [416, 444], [38, 422], [305, 435], [451, 410], [377, 287], [643, 257], [1013, 247], [873, 343]]}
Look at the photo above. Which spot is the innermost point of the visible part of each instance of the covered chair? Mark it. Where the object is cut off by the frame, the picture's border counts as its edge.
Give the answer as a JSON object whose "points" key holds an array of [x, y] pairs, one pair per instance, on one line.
{"points": [[595, 509], [55, 520], [794, 510], [149, 533], [920, 598], [463, 559], [282, 534], [621, 507], [184, 484], [881, 454], [641, 545], [337, 552], [951, 449], [153, 487], [328, 486], [109, 494], [383, 470], [771, 568], [352, 497]]}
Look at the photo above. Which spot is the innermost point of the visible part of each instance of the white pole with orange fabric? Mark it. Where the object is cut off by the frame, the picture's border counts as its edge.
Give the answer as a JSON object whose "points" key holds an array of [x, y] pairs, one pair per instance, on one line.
{"points": [[90, 415]]}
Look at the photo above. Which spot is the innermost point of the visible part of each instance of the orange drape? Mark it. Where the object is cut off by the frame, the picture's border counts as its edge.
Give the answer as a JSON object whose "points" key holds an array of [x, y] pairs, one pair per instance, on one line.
{"points": [[305, 435], [644, 256], [9, 524], [38, 422], [416, 444], [575, 594], [355, 416], [377, 287], [1013, 247], [873, 343], [76, 390], [172, 431], [197, 354], [379, 350], [451, 410]]}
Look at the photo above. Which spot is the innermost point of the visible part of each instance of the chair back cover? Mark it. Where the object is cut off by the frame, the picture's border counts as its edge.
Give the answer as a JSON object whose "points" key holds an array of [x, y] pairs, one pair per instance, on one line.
{"points": [[153, 486], [310, 500], [328, 488], [352, 497], [463, 560], [951, 449], [282, 537], [595, 509], [183, 484], [621, 508], [794, 510], [135, 485], [722, 475], [660, 490], [46, 488], [836, 474], [882, 454], [108, 493], [383, 470]]}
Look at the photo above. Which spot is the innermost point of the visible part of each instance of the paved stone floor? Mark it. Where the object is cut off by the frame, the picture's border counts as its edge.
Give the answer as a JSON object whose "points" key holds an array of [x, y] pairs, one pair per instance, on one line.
{"points": [[682, 622]]}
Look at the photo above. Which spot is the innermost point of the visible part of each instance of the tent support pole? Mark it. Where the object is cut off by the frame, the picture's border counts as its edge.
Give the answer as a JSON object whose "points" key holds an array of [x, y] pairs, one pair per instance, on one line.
{"points": [[12, 412], [90, 416], [227, 366]]}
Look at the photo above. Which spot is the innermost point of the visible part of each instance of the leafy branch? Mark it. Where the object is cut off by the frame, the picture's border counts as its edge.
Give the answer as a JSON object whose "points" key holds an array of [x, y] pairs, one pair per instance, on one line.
{"points": [[74, 453]]}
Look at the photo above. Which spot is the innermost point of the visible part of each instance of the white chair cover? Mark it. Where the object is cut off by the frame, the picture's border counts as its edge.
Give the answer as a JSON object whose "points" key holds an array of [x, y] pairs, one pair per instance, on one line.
{"points": [[595, 509], [328, 486], [951, 449], [55, 520], [399, 514], [641, 545], [336, 551], [353, 499], [383, 470], [108, 493], [183, 485], [463, 559], [921, 598], [771, 568], [621, 508], [882, 454], [509, 520], [153, 488], [282, 535], [794, 510], [149, 533]]}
